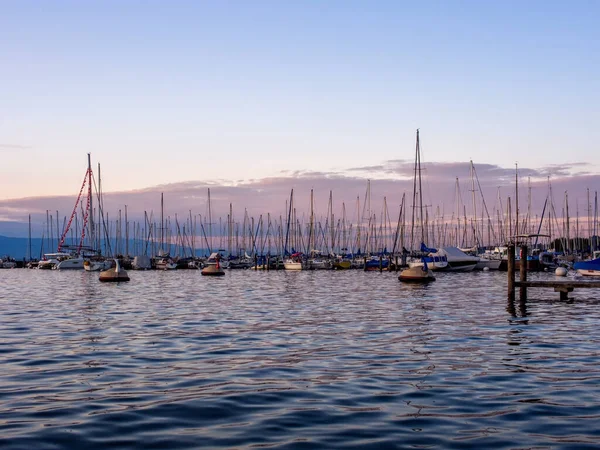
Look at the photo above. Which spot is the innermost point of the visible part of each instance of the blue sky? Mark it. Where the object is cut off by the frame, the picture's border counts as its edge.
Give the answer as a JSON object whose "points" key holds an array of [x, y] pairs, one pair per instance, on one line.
{"points": [[161, 92]]}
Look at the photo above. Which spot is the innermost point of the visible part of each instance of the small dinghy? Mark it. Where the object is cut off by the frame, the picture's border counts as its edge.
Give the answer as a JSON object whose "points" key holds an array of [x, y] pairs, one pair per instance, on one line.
{"points": [[213, 269], [417, 274], [114, 274]]}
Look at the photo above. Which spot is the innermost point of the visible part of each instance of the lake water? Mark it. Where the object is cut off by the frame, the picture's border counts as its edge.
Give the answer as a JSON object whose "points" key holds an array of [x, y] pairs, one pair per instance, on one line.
{"points": [[294, 360]]}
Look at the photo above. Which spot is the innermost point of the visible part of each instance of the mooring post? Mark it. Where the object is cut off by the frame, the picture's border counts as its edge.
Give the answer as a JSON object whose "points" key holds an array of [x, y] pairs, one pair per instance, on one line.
{"points": [[396, 263], [511, 272], [380, 263], [365, 263], [268, 263], [523, 272], [255, 261]]}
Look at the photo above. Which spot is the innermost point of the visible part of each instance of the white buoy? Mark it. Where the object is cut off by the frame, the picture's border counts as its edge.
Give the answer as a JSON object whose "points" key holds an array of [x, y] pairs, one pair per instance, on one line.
{"points": [[486, 269], [560, 272]]}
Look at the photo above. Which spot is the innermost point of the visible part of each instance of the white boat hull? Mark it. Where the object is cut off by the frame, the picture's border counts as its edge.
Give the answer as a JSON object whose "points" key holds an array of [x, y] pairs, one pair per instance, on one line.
{"points": [[491, 264], [70, 264], [97, 266], [588, 272], [292, 265]]}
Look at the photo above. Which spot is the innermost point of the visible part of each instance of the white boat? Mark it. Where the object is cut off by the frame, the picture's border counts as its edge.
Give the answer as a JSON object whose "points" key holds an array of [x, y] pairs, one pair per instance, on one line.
{"points": [[141, 262], [71, 263], [458, 261], [590, 268], [319, 264], [96, 265], [490, 264], [50, 260], [434, 262], [164, 263], [7, 264], [294, 262]]}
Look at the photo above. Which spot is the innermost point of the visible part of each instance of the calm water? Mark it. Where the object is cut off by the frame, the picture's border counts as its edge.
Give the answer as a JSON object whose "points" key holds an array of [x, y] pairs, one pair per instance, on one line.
{"points": [[294, 360]]}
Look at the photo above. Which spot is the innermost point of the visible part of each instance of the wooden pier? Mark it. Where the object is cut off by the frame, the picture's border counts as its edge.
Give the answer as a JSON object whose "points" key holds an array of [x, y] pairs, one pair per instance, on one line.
{"points": [[564, 287]]}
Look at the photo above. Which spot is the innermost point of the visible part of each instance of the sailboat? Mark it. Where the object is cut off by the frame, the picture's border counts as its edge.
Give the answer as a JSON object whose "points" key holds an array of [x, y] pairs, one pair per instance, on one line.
{"points": [[426, 256], [163, 260], [68, 256]]}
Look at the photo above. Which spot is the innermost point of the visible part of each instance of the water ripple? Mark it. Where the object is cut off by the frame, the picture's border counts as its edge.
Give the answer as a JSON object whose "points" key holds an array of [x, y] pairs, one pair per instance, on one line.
{"points": [[294, 360]]}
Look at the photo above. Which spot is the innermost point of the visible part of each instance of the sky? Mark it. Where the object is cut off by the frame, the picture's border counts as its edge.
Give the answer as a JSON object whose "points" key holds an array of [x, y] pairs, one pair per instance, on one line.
{"points": [[236, 93]]}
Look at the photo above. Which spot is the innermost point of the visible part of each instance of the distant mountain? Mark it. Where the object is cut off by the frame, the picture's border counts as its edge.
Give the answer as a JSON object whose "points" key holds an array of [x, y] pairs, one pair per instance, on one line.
{"points": [[18, 247]]}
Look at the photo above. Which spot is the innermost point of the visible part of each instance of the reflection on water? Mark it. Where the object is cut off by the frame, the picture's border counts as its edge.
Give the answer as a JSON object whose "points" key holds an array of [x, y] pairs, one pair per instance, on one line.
{"points": [[294, 360]]}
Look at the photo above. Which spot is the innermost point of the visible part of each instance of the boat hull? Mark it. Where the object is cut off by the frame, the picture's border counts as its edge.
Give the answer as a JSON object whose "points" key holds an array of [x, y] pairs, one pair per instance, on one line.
{"points": [[416, 275], [589, 272], [292, 265], [212, 270], [113, 276], [588, 268]]}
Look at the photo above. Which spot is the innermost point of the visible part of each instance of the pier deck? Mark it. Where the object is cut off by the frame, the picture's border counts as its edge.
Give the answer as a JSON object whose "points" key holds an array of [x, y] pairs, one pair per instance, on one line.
{"points": [[564, 287]]}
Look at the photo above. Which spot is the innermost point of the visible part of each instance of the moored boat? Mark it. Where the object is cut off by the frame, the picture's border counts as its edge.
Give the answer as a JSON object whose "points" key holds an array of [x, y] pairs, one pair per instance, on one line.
{"points": [[96, 265], [114, 274], [294, 262], [213, 269], [588, 268], [417, 274]]}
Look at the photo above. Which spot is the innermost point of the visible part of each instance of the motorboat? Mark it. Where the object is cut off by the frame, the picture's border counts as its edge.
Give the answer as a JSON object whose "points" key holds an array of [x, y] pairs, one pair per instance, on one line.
{"points": [[96, 265], [589, 268]]}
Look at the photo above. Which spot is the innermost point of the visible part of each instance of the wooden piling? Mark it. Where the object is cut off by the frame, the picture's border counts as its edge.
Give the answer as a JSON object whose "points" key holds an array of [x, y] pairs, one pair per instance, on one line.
{"points": [[523, 272], [511, 272]]}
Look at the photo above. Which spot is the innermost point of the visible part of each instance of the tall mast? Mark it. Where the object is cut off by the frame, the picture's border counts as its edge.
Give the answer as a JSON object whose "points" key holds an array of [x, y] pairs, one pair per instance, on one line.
{"points": [[358, 224], [471, 169], [209, 222], [457, 195], [331, 225], [162, 228], [90, 197], [230, 229], [516, 200], [589, 214], [528, 230], [568, 231], [420, 189], [311, 231], [414, 202], [29, 237], [126, 234]]}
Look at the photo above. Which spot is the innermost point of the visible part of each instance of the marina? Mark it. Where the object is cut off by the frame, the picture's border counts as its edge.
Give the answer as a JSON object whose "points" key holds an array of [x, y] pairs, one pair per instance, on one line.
{"points": [[299, 225]]}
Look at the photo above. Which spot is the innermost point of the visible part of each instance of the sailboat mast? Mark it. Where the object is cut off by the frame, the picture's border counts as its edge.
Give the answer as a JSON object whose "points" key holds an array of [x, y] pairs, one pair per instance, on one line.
{"points": [[311, 235], [516, 200], [126, 234], [475, 229], [162, 228], [420, 189], [209, 222], [90, 200], [29, 237]]}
